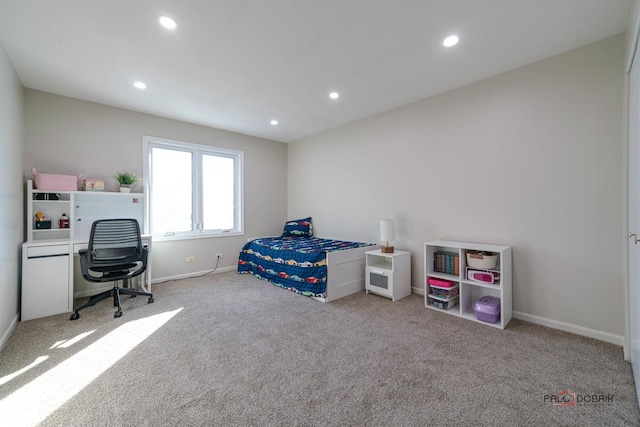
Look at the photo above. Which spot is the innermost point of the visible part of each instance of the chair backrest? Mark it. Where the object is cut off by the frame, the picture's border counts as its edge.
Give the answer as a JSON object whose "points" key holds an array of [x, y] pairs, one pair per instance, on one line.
{"points": [[115, 241]]}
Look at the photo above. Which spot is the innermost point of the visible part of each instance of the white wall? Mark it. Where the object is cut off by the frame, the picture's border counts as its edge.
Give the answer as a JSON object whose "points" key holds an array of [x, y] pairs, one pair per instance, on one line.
{"points": [[69, 136], [531, 158], [11, 193], [634, 22]]}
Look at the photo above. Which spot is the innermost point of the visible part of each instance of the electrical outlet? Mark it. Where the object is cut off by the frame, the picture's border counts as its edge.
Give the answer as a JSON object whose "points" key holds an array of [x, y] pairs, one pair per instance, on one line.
{"points": [[191, 259], [219, 256]]}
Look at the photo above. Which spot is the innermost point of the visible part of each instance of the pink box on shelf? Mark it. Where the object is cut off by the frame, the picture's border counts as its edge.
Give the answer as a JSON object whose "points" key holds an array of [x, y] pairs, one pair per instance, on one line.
{"points": [[440, 282], [53, 182]]}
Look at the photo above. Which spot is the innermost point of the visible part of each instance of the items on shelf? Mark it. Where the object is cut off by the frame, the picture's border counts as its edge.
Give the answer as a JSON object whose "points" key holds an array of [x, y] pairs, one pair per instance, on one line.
{"points": [[446, 262], [46, 196], [482, 259], [93, 185], [42, 223], [483, 276], [64, 221], [443, 304], [441, 288], [487, 309], [444, 293], [48, 181], [443, 283]]}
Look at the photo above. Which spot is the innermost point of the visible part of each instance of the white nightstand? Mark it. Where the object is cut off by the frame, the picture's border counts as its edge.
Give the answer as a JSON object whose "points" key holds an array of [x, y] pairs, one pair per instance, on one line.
{"points": [[388, 275]]}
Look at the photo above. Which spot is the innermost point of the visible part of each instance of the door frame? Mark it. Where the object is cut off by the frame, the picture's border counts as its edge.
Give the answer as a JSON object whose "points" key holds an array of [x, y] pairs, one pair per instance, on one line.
{"points": [[632, 46]]}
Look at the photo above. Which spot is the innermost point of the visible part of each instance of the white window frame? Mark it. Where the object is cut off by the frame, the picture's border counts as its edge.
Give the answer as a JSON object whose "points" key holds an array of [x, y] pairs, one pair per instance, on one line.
{"points": [[149, 142]]}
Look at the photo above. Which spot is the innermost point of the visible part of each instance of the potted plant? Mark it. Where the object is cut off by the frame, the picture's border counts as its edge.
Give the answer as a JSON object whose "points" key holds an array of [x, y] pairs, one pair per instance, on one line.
{"points": [[126, 180]]}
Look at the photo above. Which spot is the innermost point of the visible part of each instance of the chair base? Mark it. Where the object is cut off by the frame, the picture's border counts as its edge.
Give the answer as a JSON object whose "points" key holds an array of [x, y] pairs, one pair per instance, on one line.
{"points": [[115, 293]]}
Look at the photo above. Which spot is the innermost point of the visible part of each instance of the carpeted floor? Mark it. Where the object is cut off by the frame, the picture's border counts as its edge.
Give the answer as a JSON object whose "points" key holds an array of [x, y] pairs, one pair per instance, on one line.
{"points": [[230, 349]]}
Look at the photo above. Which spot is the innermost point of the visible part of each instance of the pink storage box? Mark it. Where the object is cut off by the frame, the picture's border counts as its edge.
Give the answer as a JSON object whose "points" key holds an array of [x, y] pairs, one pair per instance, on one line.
{"points": [[440, 282], [47, 181]]}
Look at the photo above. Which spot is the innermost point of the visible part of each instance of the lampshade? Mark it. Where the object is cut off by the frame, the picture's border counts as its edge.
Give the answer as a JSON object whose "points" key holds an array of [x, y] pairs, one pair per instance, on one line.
{"points": [[387, 230], [387, 234]]}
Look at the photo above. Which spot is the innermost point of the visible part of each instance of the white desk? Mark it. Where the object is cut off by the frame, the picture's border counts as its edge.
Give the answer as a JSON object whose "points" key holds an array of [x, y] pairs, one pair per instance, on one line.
{"points": [[49, 277]]}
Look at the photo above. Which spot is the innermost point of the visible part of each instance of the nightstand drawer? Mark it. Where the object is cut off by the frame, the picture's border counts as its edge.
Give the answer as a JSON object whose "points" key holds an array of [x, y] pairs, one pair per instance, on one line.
{"points": [[379, 281]]}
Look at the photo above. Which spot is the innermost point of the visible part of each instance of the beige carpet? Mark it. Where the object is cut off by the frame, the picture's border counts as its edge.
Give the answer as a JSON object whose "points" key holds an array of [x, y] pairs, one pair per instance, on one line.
{"points": [[230, 349]]}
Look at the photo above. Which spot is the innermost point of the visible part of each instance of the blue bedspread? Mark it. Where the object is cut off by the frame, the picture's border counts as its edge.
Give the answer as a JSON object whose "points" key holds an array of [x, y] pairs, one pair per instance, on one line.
{"points": [[295, 263]]}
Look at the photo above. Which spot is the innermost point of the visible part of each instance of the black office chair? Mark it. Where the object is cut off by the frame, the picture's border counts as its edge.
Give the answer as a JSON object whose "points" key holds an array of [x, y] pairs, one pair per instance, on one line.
{"points": [[115, 252]]}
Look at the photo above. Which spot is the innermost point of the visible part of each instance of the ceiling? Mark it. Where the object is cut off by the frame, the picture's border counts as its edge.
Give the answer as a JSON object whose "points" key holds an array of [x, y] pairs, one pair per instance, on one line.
{"points": [[238, 64]]}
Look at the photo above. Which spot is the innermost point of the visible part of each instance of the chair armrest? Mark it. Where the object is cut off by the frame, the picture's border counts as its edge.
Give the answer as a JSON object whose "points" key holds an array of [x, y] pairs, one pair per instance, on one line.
{"points": [[145, 254], [143, 261]]}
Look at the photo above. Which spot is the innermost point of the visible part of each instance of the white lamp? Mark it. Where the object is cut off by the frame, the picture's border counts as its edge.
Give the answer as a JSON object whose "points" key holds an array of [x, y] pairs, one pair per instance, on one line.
{"points": [[387, 234]]}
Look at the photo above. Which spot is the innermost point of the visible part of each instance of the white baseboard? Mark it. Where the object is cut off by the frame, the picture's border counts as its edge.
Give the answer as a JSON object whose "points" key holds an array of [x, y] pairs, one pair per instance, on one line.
{"points": [[568, 327], [194, 274], [94, 291], [555, 324], [91, 292], [9, 331]]}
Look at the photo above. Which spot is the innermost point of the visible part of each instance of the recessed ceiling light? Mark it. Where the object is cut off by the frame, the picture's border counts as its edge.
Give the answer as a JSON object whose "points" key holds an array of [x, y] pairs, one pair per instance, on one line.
{"points": [[451, 41], [334, 95], [168, 23], [274, 122], [140, 85]]}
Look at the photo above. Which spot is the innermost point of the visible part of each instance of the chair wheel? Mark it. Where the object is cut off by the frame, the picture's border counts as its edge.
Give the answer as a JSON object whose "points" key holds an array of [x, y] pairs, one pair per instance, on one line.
{"points": [[133, 296], [117, 313], [74, 316], [150, 300]]}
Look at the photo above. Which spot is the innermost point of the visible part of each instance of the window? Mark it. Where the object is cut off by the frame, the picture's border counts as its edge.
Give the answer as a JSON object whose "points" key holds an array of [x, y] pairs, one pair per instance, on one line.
{"points": [[193, 190]]}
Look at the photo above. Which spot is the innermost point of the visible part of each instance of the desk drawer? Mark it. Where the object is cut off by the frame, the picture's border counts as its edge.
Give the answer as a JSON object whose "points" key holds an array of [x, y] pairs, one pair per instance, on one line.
{"points": [[45, 251]]}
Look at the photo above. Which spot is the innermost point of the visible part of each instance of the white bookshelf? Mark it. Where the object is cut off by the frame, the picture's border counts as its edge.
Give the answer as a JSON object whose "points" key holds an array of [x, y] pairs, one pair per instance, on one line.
{"points": [[470, 291]]}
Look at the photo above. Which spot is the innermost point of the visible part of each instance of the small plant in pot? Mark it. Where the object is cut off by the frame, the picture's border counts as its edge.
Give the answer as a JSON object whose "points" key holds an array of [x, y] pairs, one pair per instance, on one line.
{"points": [[126, 181]]}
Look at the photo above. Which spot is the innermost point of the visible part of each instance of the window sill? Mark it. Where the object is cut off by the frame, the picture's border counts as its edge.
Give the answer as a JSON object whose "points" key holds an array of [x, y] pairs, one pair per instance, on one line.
{"points": [[163, 238]]}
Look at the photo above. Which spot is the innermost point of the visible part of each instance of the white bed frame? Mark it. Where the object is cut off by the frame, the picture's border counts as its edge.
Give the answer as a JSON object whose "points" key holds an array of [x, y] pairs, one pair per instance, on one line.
{"points": [[345, 272]]}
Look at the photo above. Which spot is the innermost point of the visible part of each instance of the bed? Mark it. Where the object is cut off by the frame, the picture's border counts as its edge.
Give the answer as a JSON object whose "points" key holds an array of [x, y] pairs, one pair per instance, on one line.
{"points": [[325, 269]]}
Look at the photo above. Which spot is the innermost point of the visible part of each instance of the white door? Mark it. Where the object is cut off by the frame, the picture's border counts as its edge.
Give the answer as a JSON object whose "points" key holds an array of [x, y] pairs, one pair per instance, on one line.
{"points": [[634, 220]]}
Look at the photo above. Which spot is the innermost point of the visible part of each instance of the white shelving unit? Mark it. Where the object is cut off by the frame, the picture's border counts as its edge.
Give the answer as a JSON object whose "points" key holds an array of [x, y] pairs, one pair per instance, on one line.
{"points": [[469, 291], [82, 208], [39, 201]]}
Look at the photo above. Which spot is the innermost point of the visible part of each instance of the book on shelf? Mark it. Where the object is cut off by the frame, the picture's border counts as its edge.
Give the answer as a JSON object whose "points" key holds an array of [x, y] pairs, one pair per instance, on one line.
{"points": [[446, 262]]}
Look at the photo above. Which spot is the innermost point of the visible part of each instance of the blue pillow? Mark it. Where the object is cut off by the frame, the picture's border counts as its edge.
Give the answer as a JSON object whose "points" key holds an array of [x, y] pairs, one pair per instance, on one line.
{"points": [[298, 228]]}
